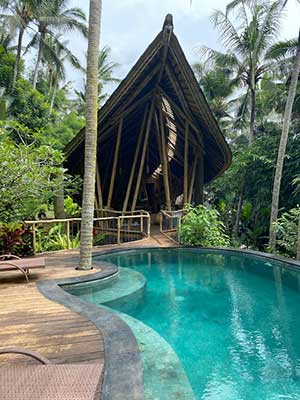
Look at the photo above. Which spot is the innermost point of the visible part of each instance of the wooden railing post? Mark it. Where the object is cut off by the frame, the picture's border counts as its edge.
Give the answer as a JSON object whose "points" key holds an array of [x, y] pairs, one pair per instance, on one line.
{"points": [[33, 238], [178, 230], [119, 230], [149, 226], [68, 234]]}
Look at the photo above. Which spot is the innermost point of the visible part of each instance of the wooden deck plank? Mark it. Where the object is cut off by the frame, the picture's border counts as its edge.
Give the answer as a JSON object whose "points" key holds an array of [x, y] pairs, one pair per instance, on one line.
{"points": [[29, 320]]}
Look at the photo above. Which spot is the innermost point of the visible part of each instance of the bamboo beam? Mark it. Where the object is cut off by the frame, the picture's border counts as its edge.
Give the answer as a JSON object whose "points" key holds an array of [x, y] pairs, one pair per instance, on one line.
{"points": [[115, 163], [186, 163], [135, 159], [142, 162], [165, 168], [192, 182], [98, 186]]}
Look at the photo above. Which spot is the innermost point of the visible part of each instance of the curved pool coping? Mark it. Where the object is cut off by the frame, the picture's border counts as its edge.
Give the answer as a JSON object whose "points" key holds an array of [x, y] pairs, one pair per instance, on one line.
{"points": [[292, 263], [123, 370]]}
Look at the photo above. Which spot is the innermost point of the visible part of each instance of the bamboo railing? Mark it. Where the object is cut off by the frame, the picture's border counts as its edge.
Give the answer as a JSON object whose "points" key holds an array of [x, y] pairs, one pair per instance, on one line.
{"points": [[170, 223], [114, 227]]}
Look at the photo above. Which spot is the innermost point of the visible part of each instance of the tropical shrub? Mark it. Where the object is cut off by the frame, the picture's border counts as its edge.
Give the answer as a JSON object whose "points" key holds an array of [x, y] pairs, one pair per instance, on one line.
{"points": [[55, 238], [201, 226], [287, 232], [72, 209], [15, 239]]}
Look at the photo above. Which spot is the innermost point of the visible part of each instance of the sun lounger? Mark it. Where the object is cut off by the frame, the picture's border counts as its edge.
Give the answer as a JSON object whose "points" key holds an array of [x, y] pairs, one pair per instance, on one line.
{"points": [[9, 262], [47, 381]]}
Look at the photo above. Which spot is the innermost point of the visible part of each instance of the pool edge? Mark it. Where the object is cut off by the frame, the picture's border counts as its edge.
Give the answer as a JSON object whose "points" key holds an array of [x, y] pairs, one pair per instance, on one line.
{"points": [[123, 370]]}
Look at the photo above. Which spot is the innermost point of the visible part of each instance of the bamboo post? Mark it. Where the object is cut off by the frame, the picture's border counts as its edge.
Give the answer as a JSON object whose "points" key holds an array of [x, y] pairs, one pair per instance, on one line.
{"points": [[142, 224], [298, 240], [119, 230], [140, 173], [199, 179], [115, 163], [33, 238], [164, 161], [99, 189], [178, 230], [161, 222], [192, 182], [68, 234], [136, 154], [148, 226], [186, 163]]}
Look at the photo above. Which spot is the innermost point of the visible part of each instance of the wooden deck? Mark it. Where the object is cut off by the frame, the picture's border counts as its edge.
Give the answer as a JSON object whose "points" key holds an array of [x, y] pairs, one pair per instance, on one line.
{"points": [[29, 320]]}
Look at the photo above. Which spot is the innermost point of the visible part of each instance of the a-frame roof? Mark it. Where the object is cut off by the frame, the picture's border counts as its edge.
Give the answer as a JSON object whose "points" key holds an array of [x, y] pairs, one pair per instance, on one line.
{"points": [[162, 71]]}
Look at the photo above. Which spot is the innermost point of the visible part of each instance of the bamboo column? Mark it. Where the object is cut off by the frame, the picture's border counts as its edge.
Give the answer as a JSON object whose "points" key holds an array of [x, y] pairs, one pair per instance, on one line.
{"points": [[140, 173], [115, 164], [165, 168], [199, 180], [135, 159], [99, 189], [192, 182], [186, 163]]}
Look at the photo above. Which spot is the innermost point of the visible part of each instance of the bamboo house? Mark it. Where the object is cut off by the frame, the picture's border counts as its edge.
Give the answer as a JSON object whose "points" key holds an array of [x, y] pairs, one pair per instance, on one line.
{"points": [[157, 137]]}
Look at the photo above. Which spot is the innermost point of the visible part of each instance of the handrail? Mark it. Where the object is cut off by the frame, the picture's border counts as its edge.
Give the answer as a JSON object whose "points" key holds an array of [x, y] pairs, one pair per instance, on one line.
{"points": [[119, 229], [173, 218]]}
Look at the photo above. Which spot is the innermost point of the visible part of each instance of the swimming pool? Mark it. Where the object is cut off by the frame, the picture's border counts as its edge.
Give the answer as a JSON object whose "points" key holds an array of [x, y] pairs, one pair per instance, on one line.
{"points": [[233, 319]]}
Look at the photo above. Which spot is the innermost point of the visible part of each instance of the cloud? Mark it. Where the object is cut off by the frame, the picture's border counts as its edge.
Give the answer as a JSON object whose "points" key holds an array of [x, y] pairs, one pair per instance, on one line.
{"points": [[128, 27]]}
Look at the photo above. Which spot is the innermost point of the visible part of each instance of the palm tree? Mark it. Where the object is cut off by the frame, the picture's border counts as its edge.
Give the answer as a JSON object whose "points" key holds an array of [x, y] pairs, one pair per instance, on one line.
{"points": [[88, 198], [55, 53], [19, 17], [105, 76], [54, 16], [217, 86], [247, 41], [285, 129]]}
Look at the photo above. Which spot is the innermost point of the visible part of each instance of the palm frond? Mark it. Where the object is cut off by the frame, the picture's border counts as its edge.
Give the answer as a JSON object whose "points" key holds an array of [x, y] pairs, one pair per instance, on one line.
{"points": [[228, 33], [282, 50]]}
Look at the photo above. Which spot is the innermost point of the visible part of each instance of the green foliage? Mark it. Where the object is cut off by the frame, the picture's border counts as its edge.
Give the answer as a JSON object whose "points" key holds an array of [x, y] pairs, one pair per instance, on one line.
{"points": [[54, 239], [15, 239], [30, 107], [63, 130], [7, 62], [98, 239], [27, 176], [286, 228], [72, 209], [201, 226]]}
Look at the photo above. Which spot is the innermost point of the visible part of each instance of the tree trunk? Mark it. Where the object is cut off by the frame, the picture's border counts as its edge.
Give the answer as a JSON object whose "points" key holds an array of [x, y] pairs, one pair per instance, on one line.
{"points": [[38, 61], [238, 212], [252, 115], [90, 151], [18, 57], [53, 97], [59, 206], [282, 145]]}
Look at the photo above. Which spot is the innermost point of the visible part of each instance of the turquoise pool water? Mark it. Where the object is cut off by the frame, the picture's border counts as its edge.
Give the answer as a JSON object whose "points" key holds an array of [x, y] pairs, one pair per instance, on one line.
{"points": [[233, 319]]}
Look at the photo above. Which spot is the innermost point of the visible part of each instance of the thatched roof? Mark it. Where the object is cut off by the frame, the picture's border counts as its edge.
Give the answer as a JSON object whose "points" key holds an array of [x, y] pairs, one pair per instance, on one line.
{"points": [[162, 71]]}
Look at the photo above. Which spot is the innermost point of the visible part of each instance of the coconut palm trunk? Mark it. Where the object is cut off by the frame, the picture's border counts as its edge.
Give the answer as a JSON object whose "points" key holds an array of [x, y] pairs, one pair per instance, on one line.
{"points": [[18, 56], [90, 151], [38, 62], [283, 143]]}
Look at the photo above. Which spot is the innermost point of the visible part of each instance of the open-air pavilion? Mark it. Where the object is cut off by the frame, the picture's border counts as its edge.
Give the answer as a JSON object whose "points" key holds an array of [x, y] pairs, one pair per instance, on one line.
{"points": [[157, 137]]}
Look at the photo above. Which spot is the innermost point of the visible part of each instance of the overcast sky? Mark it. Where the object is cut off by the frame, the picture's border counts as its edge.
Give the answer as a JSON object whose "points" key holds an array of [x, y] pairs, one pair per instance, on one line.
{"points": [[128, 27]]}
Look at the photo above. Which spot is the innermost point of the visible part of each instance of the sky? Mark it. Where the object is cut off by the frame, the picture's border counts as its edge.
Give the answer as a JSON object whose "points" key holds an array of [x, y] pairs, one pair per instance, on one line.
{"points": [[128, 27]]}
